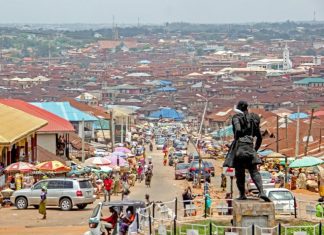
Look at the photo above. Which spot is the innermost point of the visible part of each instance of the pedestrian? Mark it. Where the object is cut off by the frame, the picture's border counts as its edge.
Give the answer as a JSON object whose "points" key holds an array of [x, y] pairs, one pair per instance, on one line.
{"points": [[12, 184], [223, 182], [208, 202], [42, 204], [108, 182], [187, 201]]}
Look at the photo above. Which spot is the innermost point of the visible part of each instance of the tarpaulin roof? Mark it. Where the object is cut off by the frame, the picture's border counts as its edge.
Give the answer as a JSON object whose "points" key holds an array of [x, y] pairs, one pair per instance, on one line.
{"points": [[65, 110], [167, 89], [167, 113], [55, 123], [16, 124]]}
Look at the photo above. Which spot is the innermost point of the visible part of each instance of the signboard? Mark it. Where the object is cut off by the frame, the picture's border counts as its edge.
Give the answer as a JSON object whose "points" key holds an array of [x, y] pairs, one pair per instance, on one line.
{"points": [[228, 171]]}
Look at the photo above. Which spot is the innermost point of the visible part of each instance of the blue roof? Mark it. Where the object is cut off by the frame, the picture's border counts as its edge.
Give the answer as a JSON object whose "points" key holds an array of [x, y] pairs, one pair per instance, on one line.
{"points": [[102, 124], [65, 110], [307, 81], [224, 132], [167, 113], [144, 62], [165, 83], [295, 116], [167, 89]]}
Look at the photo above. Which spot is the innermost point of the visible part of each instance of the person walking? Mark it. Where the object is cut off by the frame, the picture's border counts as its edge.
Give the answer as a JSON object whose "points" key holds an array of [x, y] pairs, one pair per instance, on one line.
{"points": [[42, 204], [108, 183]]}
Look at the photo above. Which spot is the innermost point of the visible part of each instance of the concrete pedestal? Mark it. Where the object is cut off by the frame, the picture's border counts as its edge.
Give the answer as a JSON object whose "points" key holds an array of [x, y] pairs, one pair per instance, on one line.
{"points": [[257, 212]]}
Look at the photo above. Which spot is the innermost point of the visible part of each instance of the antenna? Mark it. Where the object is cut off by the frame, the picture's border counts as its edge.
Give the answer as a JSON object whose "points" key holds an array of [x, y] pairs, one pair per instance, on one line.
{"points": [[314, 16]]}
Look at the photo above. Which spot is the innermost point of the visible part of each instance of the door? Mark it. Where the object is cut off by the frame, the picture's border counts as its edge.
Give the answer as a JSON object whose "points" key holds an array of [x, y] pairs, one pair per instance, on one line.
{"points": [[36, 190], [54, 192]]}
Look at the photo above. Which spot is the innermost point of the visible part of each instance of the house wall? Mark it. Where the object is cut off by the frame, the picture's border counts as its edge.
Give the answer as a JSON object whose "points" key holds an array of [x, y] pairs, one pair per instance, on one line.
{"points": [[47, 141]]}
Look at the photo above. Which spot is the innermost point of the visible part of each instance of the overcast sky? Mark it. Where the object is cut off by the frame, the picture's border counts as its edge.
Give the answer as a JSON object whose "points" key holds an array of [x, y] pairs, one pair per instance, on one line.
{"points": [[158, 11]]}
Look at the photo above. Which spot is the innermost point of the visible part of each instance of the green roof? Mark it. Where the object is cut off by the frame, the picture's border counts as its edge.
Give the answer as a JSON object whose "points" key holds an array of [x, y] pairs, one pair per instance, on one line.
{"points": [[307, 81]]}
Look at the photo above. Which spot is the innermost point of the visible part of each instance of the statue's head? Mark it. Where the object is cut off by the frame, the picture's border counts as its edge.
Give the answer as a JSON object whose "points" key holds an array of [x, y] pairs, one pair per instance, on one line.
{"points": [[242, 105]]}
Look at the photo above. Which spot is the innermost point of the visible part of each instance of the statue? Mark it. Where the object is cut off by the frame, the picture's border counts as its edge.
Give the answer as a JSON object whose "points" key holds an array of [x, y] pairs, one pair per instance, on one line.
{"points": [[243, 153]]}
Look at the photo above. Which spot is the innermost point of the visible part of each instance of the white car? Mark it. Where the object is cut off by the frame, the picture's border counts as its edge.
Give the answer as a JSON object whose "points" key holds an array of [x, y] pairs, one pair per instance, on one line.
{"points": [[282, 198]]}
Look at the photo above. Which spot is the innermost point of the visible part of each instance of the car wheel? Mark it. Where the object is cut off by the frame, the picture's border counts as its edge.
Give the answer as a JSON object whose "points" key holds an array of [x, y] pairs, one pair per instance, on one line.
{"points": [[66, 204], [82, 206], [21, 203]]}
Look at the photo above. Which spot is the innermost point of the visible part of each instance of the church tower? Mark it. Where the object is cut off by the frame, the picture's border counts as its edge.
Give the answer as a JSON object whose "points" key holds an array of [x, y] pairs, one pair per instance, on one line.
{"points": [[287, 64]]}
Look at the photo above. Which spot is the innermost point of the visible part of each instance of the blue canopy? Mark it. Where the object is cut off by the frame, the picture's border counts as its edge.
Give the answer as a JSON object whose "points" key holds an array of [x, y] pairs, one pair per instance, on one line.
{"points": [[294, 116], [265, 152], [167, 89], [167, 113]]}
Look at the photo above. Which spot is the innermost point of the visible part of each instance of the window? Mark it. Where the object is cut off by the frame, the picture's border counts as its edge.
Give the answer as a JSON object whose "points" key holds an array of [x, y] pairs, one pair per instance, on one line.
{"points": [[85, 184], [280, 195], [41, 184], [55, 184], [68, 184]]}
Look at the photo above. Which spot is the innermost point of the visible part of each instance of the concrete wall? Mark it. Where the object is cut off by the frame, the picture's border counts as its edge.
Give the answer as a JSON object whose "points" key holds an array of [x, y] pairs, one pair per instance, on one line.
{"points": [[47, 141]]}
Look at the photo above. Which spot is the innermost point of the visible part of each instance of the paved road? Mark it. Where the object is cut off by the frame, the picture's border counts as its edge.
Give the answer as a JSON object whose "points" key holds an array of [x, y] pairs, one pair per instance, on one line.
{"points": [[13, 221]]}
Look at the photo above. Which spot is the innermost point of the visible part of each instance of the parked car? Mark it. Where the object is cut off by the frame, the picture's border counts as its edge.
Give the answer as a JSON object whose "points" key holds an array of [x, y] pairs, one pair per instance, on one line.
{"points": [[175, 158], [182, 147], [181, 170], [267, 181], [211, 168], [179, 155], [119, 206], [160, 143], [282, 198], [194, 169], [62, 192], [193, 157]]}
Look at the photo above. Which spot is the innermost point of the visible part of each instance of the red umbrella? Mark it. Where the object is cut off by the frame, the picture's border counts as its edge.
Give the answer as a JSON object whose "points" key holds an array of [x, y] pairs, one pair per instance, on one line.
{"points": [[20, 166]]}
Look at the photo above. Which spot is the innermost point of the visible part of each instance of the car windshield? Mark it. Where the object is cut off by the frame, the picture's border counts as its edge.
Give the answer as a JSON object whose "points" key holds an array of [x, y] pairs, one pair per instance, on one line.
{"points": [[182, 166], [160, 141], [280, 195], [265, 175], [178, 154], [95, 211]]}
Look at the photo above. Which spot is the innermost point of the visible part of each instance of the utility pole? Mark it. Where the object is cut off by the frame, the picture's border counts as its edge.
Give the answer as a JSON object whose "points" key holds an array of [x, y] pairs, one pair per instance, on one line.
{"points": [[112, 134], [122, 130], [286, 125], [297, 133], [277, 135], [309, 132], [320, 140], [82, 134]]}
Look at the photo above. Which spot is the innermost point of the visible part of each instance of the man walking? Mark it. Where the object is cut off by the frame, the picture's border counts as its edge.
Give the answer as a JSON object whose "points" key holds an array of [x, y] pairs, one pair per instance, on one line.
{"points": [[108, 182]]}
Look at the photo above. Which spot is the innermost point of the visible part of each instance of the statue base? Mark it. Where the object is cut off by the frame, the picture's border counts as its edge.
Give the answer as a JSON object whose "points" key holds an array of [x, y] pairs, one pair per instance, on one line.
{"points": [[253, 211]]}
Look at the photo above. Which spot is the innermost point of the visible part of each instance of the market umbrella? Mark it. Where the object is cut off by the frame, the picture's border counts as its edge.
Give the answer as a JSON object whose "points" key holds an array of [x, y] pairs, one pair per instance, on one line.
{"points": [[117, 161], [53, 166], [21, 167], [119, 154], [275, 155], [96, 161], [306, 162], [122, 149]]}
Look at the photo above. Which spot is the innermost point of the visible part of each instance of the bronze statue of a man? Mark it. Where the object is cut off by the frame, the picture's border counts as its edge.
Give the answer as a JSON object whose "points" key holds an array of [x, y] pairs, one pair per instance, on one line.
{"points": [[243, 152]]}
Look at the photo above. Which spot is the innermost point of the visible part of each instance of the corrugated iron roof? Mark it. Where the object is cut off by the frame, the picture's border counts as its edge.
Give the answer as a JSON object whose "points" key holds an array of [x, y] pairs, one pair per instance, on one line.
{"points": [[16, 124], [55, 123], [65, 110]]}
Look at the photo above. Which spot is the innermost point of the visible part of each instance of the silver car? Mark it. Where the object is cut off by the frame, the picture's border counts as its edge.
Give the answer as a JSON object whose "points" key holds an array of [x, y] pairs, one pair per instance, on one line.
{"points": [[267, 181], [62, 192]]}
